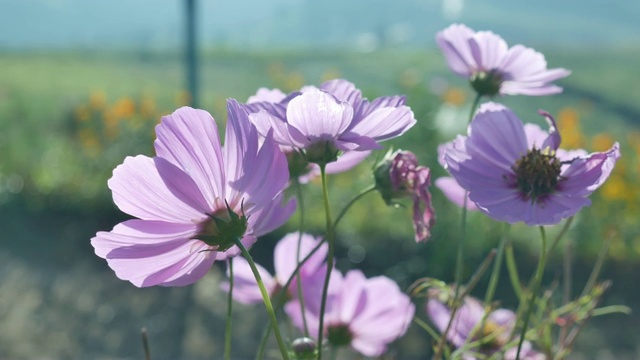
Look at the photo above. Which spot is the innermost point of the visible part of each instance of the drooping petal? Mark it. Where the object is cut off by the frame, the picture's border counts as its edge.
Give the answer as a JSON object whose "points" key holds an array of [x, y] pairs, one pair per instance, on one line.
{"points": [[149, 253]]}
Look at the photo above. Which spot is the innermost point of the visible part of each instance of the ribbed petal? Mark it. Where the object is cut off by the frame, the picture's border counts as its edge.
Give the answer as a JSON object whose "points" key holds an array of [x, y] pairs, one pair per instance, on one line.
{"points": [[155, 189], [149, 253], [343, 90], [318, 115], [267, 95], [188, 138], [385, 123], [272, 215], [284, 256], [488, 50], [454, 43]]}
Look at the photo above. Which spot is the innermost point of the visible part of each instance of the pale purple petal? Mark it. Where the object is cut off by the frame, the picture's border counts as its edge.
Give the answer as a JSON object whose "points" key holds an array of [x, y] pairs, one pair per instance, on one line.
{"points": [[267, 95], [453, 41], [284, 258], [149, 253], [155, 189], [318, 115], [188, 139], [343, 90], [385, 123], [455, 193]]}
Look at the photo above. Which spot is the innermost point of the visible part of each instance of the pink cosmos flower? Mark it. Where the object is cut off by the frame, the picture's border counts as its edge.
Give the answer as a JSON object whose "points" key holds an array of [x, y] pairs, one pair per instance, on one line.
{"points": [[322, 122], [517, 172], [245, 288], [494, 68], [193, 199], [399, 175], [464, 329], [366, 314], [275, 102]]}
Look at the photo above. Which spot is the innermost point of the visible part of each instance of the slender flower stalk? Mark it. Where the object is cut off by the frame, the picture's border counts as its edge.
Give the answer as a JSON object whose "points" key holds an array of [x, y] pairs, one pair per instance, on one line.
{"points": [[298, 278], [266, 299], [534, 289], [365, 191], [329, 238], [513, 270], [497, 266], [227, 333]]}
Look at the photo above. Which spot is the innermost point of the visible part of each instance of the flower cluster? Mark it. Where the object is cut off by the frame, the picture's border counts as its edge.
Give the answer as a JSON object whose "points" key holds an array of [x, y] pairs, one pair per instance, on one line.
{"points": [[198, 201]]}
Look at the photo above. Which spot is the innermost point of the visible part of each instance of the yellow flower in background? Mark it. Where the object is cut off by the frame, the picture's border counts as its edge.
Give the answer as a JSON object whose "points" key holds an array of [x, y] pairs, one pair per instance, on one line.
{"points": [[454, 96], [82, 113], [147, 107], [330, 74], [89, 142], [124, 108], [98, 100], [569, 126], [601, 142]]}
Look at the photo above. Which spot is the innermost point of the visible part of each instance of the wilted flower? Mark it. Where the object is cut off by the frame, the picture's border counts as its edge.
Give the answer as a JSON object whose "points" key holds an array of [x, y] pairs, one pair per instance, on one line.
{"points": [[193, 199], [285, 260], [517, 172], [398, 175], [366, 314], [467, 326], [323, 122], [494, 68]]}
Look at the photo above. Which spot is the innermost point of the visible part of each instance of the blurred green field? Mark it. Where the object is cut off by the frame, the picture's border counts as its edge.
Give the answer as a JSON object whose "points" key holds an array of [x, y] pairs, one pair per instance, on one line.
{"points": [[57, 151]]}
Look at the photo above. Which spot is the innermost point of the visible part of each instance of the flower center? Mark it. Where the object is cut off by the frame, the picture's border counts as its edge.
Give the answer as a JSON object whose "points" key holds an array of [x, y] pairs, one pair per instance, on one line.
{"points": [[537, 174], [222, 229], [339, 335], [486, 82]]}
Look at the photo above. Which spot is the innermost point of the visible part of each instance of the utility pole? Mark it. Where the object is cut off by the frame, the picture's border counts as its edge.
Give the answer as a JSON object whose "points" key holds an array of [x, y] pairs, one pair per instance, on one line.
{"points": [[191, 53]]}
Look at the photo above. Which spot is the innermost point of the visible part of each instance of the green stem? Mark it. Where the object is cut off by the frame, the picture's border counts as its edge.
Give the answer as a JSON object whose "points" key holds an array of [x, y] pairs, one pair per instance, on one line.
{"points": [[474, 105], [534, 290], [227, 333], [265, 298], [497, 266], [362, 193], [298, 280], [329, 238], [513, 271], [564, 230]]}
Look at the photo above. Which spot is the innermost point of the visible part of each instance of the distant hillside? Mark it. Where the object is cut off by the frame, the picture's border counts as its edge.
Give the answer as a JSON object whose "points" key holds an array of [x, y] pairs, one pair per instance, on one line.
{"points": [[364, 24]]}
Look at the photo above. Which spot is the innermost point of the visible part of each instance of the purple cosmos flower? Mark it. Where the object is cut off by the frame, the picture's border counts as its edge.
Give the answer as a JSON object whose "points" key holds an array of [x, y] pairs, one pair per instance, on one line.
{"points": [[275, 102], [193, 199], [494, 68], [516, 172], [465, 328], [399, 175], [366, 314], [245, 288], [323, 122]]}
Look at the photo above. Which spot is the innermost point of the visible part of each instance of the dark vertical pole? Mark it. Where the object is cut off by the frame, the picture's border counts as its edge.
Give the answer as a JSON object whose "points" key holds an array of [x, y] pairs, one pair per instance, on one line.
{"points": [[191, 53]]}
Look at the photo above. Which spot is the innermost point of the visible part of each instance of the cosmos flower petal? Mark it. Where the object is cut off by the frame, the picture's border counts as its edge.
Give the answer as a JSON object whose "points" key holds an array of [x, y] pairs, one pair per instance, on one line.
{"points": [[343, 90], [155, 189], [454, 192], [318, 115], [148, 253], [267, 95], [272, 215], [515, 70], [188, 139], [285, 252], [385, 123]]}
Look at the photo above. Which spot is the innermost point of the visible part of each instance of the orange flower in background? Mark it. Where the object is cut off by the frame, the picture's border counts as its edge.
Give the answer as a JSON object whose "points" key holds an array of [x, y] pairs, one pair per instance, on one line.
{"points": [[454, 96], [124, 108], [569, 126], [601, 142]]}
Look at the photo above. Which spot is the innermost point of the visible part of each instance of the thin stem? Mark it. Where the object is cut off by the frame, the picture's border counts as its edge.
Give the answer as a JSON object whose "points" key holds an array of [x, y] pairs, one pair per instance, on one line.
{"points": [[362, 193], [593, 277], [265, 298], [474, 105], [534, 290], [567, 280], [497, 266], [564, 230], [145, 344], [227, 332], [460, 254], [329, 238], [303, 313], [513, 271]]}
